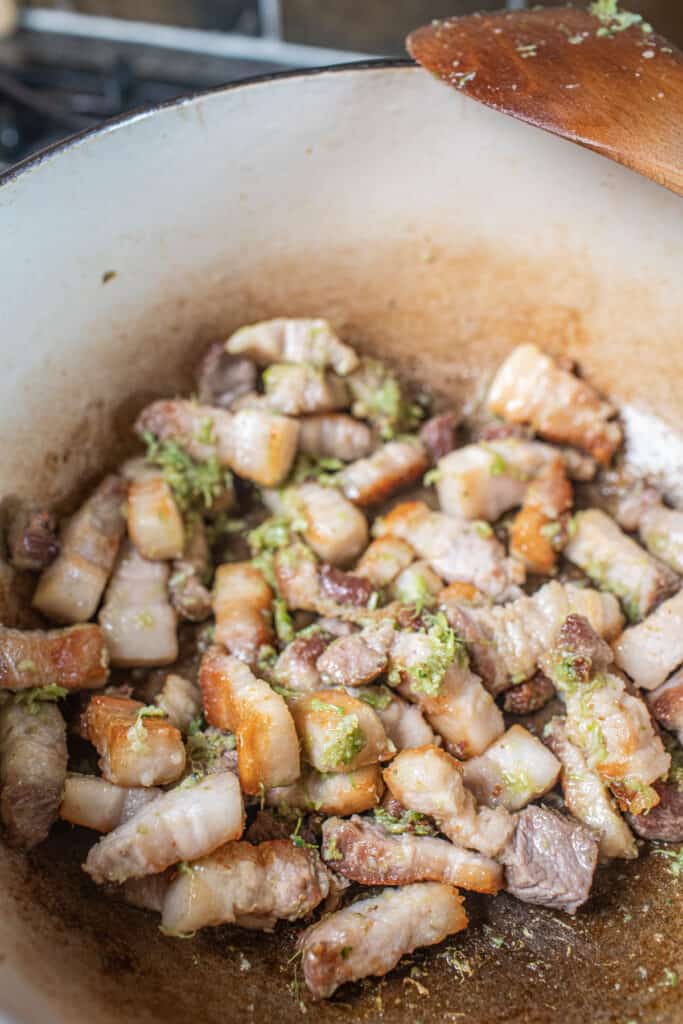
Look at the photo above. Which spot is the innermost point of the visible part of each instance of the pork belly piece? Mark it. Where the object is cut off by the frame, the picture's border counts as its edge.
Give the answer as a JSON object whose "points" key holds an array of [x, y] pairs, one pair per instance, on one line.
{"points": [[404, 723], [257, 444], [616, 563], [530, 696], [482, 481], [222, 379], [296, 666], [136, 744], [251, 886], [417, 585], [378, 396], [661, 531], [307, 586], [32, 538], [515, 770], [180, 699], [587, 797], [184, 824], [550, 860], [530, 388], [369, 937], [359, 658], [295, 389], [335, 529], [335, 436], [611, 726], [438, 435], [394, 466], [339, 733], [155, 525], [663, 823], [339, 793], [75, 658], [189, 595], [666, 704], [241, 604], [99, 805], [235, 700], [366, 853], [506, 642], [69, 590], [137, 619], [652, 650], [293, 341], [32, 770], [148, 892], [540, 528], [637, 506], [430, 781], [383, 560], [455, 550]]}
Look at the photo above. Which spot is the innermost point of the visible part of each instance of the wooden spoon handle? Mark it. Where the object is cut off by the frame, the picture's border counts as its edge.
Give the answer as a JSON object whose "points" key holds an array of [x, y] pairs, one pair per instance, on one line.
{"points": [[609, 83]]}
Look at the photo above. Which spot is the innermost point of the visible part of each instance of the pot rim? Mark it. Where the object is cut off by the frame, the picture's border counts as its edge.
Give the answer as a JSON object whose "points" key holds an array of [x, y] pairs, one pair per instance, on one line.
{"points": [[35, 160]]}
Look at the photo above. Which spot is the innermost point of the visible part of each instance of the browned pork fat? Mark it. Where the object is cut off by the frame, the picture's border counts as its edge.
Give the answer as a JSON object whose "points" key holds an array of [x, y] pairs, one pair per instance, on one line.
{"points": [[550, 860], [138, 746], [222, 378], [296, 666], [32, 538], [32, 769], [75, 658], [438, 435], [665, 821], [530, 696], [666, 704]]}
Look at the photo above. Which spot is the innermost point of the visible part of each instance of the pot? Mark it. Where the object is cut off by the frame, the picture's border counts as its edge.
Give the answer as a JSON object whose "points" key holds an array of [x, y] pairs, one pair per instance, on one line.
{"points": [[436, 233]]}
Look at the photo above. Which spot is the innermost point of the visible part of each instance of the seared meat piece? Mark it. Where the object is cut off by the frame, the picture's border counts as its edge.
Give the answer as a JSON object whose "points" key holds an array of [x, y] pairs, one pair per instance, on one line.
{"points": [[663, 823], [404, 723], [378, 396], [296, 666], [530, 696], [344, 587], [550, 860], [370, 936], [438, 435], [587, 797], [652, 650], [611, 726], [241, 604], [332, 593], [185, 823], [666, 704], [222, 378], [70, 588], [391, 468], [32, 538], [341, 793], [32, 769], [539, 530], [418, 585], [661, 531], [530, 388], [137, 618], [296, 389], [335, 529], [455, 550], [366, 853], [293, 341], [515, 770], [335, 436], [616, 563], [384, 559], [482, 481], [251, 886], [75, 658], [97, 804], [358, 658], [189, 596], [136, 747], [429, 780], [155, 524], [637, 506], [180, 699], [339, 733], [234, 699]]}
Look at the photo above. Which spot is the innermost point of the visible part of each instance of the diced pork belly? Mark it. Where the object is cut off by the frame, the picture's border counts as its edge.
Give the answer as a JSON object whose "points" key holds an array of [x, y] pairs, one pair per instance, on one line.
{"points": [[366, 853], [587, 797], [515, 770], [370, 936], [32, 538], [155, 525], [184, 824], [338, 732], [99, 805], [251, 886], [222, 378], [551, 860], [531, 388], [137, 619], [75, 658], [235, 700], [663, 823], [418, 585], [455, 550], [359, 658], [293, 341], [335, 529], [324, 589], [180, 699], [32, 770], [335, 436], [295, 389], [666, 704], [241, 604], [482, 481], [136, 749], [70, 588], [652, 650], [405, 724], [339, 793], [296, 666], [616, 563], [384, 559], [394, 466], [189, 595], [530, 696], [661, 531], [539, 530], [148, 892], [438, 435]]}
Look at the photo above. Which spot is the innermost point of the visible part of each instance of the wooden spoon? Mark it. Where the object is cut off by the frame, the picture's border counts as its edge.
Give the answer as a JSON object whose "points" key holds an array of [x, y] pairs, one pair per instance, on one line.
{"points": [[613, 87]]}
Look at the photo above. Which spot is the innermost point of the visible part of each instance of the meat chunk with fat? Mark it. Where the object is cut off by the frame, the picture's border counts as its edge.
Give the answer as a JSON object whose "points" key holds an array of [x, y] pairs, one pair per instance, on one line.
{"points": [[75, 658], [180, 699], [515, 770], [338, 732], [359, 658], [404, 723], [293, 341], [663, 823], [222, 379], [331, 793], [439, 434], [155, 524], [550, 860], [187, 585], [540, 528], [242, 602], [94, 803], [393, 467], [335, 436], [32, 538], [296, 667], [529, 696], [335, 529], [136, 748], [384, 559], [650, 651], [666, 704], [297, 389]]}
